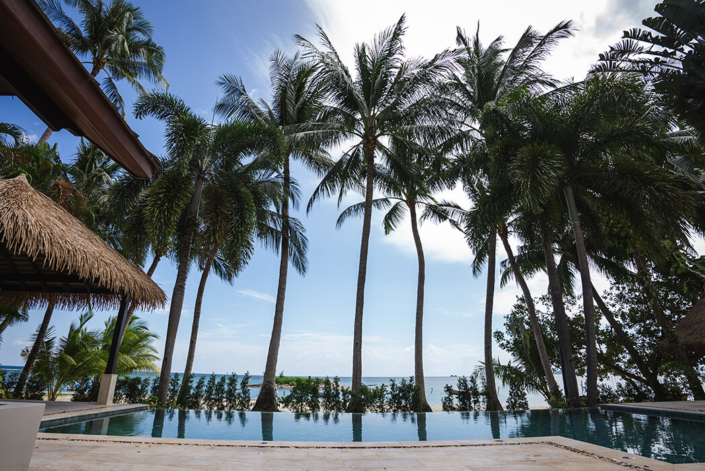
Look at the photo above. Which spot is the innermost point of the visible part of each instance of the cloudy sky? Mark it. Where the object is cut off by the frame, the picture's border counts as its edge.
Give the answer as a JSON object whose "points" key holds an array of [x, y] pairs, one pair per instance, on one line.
{"points": [[206, 39]]}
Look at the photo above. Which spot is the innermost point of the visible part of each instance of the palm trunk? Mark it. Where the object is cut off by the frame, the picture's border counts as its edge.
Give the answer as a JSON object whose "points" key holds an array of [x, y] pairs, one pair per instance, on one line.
{"points": [[588, 304], [570, 381], [418, 344], [267, 398], [177, 298], [183, 391], [623, 337], [5, 323], [533, 318], [493, 403], [667, 333], [48, 132], [19, 387], [369, 148], [133, 306], [45, 136]]}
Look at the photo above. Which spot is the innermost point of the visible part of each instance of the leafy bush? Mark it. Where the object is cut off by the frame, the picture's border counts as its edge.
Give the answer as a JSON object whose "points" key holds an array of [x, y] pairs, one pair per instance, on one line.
{"points": [[314, 394], [332, 399], [86, 389], [131, 390], [174, 386], [303, 397], [468, 395], [517, 397]]}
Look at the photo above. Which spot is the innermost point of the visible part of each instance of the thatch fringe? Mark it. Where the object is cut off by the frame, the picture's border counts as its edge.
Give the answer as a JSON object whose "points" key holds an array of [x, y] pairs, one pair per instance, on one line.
{"points": [[32, 224], [691, 330]]}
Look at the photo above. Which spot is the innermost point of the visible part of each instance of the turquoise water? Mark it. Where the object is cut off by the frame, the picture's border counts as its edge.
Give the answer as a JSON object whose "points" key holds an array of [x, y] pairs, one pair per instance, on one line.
{"points": [[671, 440]]}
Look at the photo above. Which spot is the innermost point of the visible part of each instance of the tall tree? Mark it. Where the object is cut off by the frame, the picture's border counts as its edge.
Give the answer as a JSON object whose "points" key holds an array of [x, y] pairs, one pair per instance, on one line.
{"points": [[115, 38], [388, 98], [198, 149], [487, 75], [671, 54], [296, 103], [606, 126], [237, 210], [408, 180]]}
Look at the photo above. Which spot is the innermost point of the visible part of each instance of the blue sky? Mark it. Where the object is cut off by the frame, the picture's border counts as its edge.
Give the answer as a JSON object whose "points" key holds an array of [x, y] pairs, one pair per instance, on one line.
{"points": [[203, 40]]}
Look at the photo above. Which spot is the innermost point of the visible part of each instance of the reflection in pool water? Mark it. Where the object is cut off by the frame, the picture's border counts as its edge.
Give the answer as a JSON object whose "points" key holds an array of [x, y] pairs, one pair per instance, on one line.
{"points": [[672, 440]]}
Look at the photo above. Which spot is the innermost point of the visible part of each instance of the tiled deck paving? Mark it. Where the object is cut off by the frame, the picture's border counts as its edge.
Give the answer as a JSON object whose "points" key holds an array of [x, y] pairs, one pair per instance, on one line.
{"points": [[78, 452]]}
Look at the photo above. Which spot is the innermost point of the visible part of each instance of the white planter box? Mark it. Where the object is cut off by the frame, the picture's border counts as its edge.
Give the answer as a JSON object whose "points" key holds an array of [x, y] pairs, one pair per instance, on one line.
{"points": [[19, 424]]}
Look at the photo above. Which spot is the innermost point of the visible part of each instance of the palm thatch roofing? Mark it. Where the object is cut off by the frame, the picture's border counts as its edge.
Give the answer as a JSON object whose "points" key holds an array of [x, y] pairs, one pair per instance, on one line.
{"points": [[46, 254], [691, 330]]}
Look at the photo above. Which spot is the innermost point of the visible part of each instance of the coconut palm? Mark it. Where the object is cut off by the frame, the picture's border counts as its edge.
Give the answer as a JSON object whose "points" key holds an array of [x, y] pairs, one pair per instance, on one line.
{"points": [[670, 53], [46, 173], [606, 126], [137, 352], [296, 102], [198, 149], [115, 38], [389, 98], [10, 135], [237, 209], [408, 181], [11, 315], [486, 76], [85, 352]]}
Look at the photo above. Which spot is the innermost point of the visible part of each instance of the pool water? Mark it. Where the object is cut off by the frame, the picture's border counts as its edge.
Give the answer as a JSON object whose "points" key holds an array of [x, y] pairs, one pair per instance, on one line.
{"points": [[671, 440]]}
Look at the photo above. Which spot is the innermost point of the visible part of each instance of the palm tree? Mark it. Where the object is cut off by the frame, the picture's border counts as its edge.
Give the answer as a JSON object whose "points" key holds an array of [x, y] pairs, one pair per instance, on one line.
{"points": [[46, 172], [11, 315], [409, 179], [61, 362], [198, 149], [531, 309], [599, 144], [296, 102], [236, 210], [486, 77], [670, 53], [115, 38], [137, 352], [11, 135], [389, 98], [82, 352]]}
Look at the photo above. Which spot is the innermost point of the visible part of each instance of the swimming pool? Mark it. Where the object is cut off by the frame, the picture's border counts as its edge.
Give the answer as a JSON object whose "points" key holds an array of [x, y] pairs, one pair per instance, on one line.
{"points": [[671, 440]]}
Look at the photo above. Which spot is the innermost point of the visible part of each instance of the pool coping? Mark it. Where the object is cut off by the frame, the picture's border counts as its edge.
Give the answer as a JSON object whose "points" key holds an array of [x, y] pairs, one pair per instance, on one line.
{"points": [[654, 411], [627, 460]]}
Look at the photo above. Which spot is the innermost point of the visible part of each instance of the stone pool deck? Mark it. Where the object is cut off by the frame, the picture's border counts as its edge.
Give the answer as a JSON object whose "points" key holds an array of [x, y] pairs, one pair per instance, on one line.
{"points": [[688, 410], [81, 452]]}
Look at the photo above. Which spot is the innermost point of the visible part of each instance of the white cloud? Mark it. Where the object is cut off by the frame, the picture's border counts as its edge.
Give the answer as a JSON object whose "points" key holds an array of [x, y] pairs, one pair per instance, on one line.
{"points": [[164, 311], [21, 343], [30, 137], [225, 331], [250, 293], [441, 242]]}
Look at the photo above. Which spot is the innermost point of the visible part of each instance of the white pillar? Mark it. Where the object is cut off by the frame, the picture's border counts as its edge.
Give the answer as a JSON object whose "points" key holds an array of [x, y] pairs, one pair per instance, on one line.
{"points": [[107, 389]]}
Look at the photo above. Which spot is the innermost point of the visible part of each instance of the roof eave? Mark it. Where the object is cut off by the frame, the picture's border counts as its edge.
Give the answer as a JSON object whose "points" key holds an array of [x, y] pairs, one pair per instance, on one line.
{"points": [[40, 69]]}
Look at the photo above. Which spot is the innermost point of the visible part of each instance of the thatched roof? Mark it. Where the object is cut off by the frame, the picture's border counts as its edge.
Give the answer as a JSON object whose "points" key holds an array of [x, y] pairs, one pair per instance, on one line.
{"points": [[691, 330], [46, 253]]}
